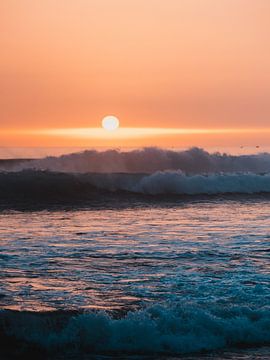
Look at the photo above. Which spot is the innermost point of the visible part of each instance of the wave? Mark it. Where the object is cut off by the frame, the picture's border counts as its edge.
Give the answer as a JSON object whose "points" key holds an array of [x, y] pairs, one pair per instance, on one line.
{"points": [[45, 185], [159, 329], [93, 175], [150, 160]]}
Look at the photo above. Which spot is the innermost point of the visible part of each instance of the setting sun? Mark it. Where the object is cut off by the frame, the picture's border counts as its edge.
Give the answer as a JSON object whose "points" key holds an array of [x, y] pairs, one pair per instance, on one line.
{"points": [[110, 123]]}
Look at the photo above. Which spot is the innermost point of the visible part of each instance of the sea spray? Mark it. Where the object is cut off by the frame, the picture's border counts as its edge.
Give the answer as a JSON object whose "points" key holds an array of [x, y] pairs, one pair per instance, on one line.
{"points": [[149, 160]]}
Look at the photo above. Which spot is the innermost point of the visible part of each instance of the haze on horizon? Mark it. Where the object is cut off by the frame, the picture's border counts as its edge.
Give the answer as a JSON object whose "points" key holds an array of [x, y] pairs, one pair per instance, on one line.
{"points": [[155, 64]]}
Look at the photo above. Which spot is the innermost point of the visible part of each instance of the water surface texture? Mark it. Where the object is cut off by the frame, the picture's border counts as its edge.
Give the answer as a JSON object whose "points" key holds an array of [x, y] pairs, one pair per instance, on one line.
{"points": [[177, 279], [141, 254]]}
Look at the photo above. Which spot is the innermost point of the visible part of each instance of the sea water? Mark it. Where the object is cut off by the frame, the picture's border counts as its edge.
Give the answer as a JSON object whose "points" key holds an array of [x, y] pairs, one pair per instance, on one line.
{"points": [[135, 274]]}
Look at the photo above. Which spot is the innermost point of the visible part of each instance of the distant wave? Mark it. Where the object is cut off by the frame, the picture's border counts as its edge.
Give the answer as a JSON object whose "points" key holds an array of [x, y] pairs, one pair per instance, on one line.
{"points": [[155, 330], [149, 160]]}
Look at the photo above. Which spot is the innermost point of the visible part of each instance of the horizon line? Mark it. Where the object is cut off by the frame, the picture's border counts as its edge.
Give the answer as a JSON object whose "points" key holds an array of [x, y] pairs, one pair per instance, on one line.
{"points": [[128, 132]]}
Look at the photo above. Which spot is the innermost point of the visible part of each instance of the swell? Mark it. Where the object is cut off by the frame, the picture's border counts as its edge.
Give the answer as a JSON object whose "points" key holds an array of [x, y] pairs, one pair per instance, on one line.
{"points": [[178, 329], [42, 185]]}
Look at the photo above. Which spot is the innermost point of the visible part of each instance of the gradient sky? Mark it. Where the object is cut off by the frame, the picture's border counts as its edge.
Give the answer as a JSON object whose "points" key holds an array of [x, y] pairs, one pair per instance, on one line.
{"points": [[174, 64]]}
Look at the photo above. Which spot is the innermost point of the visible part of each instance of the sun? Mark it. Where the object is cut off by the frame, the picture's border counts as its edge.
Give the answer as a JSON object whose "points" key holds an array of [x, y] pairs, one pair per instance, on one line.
{"points": [[110, 123]]}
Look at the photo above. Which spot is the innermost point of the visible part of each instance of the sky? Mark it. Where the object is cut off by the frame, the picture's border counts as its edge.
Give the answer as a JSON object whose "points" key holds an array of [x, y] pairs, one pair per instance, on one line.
{"points": [[196, 72]]}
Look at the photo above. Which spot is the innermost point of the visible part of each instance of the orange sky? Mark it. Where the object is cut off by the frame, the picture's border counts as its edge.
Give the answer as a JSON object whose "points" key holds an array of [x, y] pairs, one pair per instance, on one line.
{"points": [[183, 64]]}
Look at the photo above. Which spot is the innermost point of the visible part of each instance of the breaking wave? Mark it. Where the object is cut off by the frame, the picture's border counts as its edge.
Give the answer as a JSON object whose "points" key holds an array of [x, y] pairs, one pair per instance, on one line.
{"points": [[151, 171], [45, 184], [179, 329]]}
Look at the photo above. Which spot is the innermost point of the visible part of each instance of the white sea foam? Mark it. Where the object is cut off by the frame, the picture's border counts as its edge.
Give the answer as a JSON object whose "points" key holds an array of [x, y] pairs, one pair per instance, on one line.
{"points": [[179, 183]]}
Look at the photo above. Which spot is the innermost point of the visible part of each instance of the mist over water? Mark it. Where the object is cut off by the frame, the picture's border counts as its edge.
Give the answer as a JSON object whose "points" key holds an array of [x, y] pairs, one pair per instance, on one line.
{"points": [[149, 160]]}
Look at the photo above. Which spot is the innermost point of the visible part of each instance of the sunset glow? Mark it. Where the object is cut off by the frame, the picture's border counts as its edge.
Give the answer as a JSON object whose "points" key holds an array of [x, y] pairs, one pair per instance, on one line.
{"points": [[138, 136], [125, 133], [200, 65]]}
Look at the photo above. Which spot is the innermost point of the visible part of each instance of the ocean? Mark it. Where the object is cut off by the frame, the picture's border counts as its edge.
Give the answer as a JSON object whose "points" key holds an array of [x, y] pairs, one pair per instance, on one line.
{"points": [[141, 254]]}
